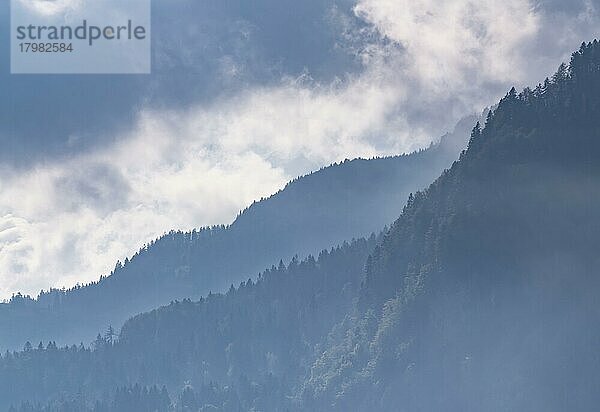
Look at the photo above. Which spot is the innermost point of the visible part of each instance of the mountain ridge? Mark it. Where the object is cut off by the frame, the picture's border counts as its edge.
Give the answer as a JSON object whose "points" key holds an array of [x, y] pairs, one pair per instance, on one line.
{"points": [[313, 212]]}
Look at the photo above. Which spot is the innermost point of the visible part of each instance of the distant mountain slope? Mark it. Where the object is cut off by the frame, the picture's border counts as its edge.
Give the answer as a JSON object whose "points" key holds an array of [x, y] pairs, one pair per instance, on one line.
{"points": [[267, 328], [340, 202], [481, 297]]}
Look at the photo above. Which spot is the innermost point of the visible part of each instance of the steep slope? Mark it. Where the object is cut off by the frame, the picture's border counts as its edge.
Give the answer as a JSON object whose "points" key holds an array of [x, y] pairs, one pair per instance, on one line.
{"points": [[482, 297], [266, 329], [347, 200]]}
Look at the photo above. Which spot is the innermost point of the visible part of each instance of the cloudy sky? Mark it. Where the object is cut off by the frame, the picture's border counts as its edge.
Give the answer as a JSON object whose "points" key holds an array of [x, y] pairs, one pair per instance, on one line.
{"points": [[243, 97]]}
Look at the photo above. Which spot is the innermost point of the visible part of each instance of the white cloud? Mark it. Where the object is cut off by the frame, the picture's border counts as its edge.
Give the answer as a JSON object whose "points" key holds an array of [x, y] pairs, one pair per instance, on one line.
{"points": [[447, 41], [70, 221], [468, 52], [52, 7]]}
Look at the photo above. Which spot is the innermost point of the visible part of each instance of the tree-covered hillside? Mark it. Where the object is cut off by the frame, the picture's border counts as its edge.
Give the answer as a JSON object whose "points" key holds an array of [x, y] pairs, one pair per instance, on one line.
{"points": [[247, 347], [481, 297], [347, 200]]}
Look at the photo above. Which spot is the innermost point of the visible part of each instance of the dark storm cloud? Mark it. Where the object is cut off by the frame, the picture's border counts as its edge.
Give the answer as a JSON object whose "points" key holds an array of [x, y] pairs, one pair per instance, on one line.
{"points": [[201, 49]]}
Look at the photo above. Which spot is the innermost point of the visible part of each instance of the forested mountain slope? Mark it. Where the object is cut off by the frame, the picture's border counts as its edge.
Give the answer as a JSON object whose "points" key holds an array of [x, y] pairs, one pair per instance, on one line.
{"points": [[266, 331], [317, 211], [481, 297]]}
